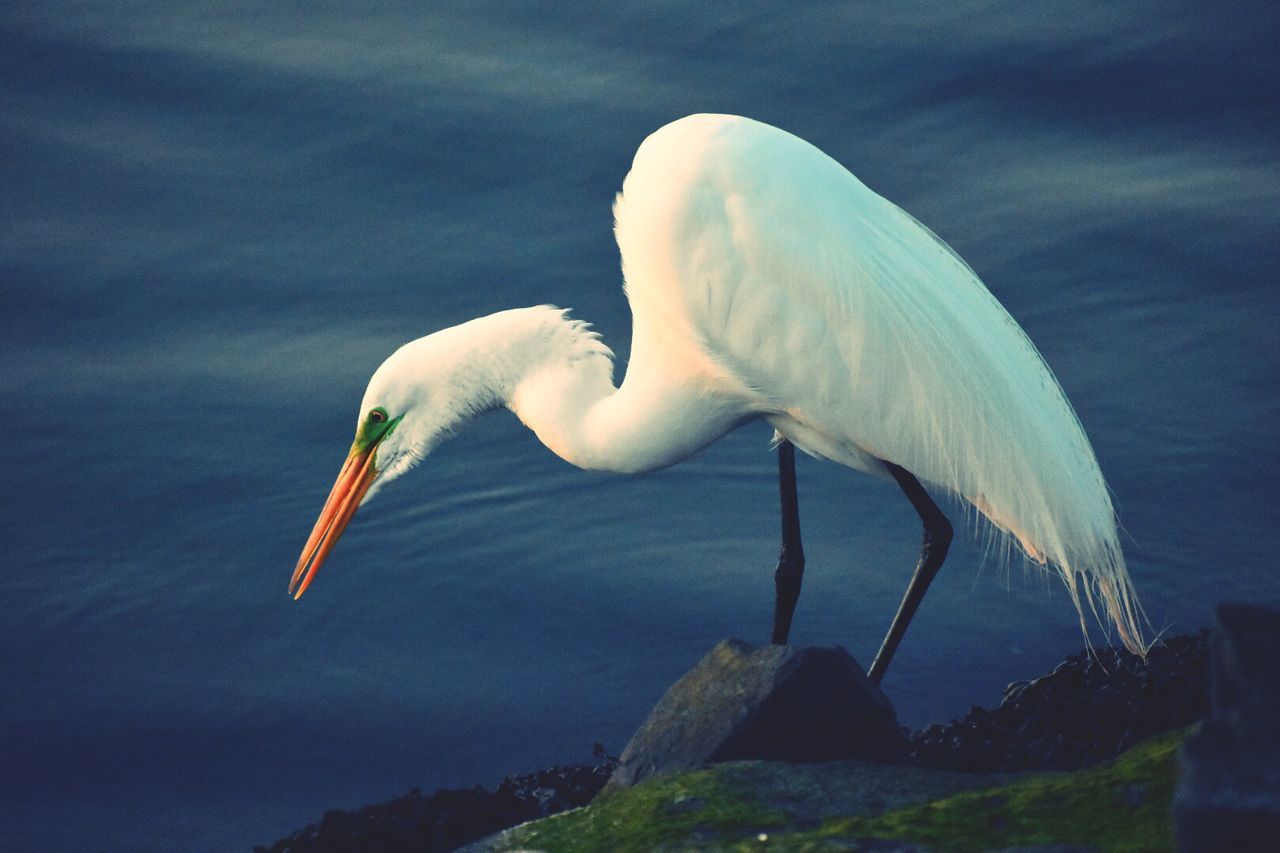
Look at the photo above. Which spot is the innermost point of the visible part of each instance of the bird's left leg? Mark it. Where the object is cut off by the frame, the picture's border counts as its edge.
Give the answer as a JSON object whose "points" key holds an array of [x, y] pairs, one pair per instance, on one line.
{"points": [[937, 539], [790, 569]]}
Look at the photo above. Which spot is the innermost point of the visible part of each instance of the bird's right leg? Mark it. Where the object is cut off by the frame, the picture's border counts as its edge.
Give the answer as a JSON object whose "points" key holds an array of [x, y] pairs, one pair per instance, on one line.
{"points": [[937, 539], [790, 569]]}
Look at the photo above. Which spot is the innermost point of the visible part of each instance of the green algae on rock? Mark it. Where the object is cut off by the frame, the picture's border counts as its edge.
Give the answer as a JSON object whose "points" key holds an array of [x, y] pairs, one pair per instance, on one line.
{"points": [[1121, 805]]}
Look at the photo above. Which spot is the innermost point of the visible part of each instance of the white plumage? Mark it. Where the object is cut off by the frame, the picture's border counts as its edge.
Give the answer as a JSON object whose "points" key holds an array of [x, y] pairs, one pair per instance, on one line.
{"points": [[766, 281]]}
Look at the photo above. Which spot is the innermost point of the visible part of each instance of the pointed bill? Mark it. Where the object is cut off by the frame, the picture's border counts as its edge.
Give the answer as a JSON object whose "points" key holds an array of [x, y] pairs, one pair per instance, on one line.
{"points": [[354, 480]]}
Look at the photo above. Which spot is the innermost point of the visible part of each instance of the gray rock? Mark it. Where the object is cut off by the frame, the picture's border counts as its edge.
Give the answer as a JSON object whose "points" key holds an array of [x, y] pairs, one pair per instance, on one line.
{"points": [[1245, 668], [1047, 848], [1228, 797], [775, 703], [812, 793], [808, 794]]}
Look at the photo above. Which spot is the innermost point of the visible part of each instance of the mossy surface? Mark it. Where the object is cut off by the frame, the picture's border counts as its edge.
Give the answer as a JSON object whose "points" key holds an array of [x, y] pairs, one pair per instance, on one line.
{"points": [[690, 810], [1121, 805]]}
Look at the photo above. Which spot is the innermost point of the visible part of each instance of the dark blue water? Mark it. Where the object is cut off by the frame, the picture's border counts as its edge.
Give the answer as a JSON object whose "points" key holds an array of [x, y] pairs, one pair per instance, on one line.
{"points": [[215, 224]]}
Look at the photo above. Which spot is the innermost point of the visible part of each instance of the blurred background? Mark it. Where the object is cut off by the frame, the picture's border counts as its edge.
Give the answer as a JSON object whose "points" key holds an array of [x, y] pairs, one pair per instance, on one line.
{"points": [[218, 219]]}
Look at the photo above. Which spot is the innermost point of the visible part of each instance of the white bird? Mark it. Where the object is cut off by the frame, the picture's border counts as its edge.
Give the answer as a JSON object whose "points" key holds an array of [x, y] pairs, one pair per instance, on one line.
{"points": [[767, 282]]}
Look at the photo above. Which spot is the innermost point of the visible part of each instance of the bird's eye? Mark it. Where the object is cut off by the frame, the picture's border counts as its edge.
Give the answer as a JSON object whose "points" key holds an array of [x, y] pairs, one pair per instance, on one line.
{"points": [[377, 416]]}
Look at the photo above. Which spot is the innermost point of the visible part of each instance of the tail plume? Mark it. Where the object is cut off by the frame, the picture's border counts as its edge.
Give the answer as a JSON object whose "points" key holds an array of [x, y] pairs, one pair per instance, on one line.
{"points": [[1108, 581]]}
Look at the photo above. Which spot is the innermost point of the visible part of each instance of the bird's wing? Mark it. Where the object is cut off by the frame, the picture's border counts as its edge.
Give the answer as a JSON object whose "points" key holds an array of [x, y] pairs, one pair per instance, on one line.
{"points": [[862, 334]]}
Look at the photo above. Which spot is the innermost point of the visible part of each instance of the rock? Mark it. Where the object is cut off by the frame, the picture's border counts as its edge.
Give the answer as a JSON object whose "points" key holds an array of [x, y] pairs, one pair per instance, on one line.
{"points": [[1047, 848], [1245, 680], [807, 794], [442, 821], [1092, 707], [775, 703], [1229, 794], [1021, 730]]}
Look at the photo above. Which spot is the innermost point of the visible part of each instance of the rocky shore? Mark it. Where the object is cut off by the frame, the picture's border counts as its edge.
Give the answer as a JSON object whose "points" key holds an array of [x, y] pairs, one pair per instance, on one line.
{"points": [[1089, 709], [449, 819]]}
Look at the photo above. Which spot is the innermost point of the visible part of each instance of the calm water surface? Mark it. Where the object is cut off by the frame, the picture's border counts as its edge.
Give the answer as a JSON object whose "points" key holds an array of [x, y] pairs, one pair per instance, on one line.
{"points": [[216, 223]]}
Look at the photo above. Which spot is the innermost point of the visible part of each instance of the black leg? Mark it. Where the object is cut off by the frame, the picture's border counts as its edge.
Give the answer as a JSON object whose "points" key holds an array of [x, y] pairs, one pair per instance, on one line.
{"points": [[791, 559], [937, 539]]}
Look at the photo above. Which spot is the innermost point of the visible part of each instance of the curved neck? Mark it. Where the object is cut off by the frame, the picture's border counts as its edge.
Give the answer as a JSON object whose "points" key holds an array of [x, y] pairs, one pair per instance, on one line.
{"points": [[557, 377]]}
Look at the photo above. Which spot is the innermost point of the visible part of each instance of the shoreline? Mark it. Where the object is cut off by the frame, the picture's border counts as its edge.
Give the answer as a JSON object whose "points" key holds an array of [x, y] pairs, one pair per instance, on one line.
{"points": [[1087, 710]]}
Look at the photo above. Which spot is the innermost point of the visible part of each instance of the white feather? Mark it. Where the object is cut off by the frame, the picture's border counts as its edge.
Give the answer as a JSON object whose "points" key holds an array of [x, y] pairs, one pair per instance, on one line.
{"points": [[766, 282], [864, 336]]}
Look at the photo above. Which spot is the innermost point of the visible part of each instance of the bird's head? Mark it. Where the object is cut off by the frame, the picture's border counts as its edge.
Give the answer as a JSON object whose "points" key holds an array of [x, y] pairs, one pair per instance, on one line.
{"points": [[408, 408], [428, 389]]}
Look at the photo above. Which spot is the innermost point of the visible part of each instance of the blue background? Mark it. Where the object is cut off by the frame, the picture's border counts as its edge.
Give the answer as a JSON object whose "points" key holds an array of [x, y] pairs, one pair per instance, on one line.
{"points": [[218, 219]]}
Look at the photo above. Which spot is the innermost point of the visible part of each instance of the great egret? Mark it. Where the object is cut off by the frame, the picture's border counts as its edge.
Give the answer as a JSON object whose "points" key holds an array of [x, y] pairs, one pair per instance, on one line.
{"points": [[767, 282]]}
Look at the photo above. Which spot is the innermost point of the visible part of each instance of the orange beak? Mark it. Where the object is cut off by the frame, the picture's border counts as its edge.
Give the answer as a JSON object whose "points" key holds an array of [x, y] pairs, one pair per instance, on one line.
{"points": [[355, 478]]}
